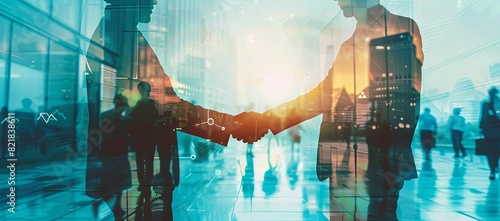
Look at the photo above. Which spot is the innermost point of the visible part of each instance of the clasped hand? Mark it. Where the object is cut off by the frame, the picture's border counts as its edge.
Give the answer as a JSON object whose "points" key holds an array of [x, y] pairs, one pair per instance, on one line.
{"points": [[250, 127]]}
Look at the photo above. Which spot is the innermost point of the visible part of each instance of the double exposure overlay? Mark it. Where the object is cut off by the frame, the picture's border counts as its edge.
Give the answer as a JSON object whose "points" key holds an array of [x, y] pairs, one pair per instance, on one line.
{"points": [[214, 110]]}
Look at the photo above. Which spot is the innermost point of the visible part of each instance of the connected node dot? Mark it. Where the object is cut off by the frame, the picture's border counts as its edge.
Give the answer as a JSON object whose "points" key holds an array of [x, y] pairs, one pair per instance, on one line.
{"points": [[208, 40], [307, 79], [217, 172], [210, 121], [223, 128], [193, 157]]}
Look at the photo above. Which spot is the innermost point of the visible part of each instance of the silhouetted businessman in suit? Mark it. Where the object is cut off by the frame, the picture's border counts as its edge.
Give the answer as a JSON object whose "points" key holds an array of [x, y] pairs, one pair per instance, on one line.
{"points": [[355, 70], [119, 52]]}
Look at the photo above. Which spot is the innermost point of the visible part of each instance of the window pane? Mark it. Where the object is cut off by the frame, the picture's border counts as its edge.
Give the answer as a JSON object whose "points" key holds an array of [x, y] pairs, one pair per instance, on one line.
{"points": [[4, 50], [67, 12], [28, 69], [62, 80], [4, 46], [108, 87]]}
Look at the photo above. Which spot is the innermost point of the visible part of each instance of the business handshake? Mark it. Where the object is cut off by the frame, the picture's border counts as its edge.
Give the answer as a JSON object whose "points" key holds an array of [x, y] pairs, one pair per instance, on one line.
{"points": [[250, 127]]}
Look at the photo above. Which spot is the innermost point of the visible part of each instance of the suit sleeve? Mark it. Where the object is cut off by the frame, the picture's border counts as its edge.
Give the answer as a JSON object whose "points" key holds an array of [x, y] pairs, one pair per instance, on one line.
{"points": [[320, 99], [205, 123], [302, 108], [195, 120], [417, 41]]}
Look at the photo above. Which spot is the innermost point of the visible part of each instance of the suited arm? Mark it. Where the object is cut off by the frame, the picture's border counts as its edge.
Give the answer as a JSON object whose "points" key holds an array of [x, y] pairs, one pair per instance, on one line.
{"points": [[302, 108], [205, 123]]}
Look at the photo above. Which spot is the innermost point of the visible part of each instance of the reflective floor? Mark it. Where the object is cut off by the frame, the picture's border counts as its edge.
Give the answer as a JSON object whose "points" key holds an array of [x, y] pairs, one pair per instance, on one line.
{"points": [[273, 184]]}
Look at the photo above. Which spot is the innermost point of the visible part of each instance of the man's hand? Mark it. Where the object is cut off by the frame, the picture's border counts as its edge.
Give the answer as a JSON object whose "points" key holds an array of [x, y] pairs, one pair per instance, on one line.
{"points": [[250, 127]]}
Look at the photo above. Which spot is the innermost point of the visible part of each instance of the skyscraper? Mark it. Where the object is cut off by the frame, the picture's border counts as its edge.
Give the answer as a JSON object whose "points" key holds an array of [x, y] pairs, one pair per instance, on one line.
{"points": [[395, 75], [201, 53]]}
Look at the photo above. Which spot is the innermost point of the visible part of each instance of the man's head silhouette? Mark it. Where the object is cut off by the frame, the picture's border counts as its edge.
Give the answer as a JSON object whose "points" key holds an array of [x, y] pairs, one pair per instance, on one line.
{"points": [[26, 102], [120, 100], [356, 8], [457, 110], [142, 8], [144, 89], [493, 91]]}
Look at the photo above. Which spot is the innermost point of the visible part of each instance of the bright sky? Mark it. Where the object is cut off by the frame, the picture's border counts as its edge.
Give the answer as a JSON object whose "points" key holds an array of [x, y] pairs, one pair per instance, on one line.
{"points": [[458, 42]]}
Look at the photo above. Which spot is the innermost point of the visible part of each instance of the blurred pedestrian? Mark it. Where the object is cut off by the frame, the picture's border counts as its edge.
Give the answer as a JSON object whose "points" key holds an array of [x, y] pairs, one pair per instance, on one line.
{"points": [[25, 128], [490, 127], [294, 133], [168, 151], [456, 125], [116, 173], [428, 130]]}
